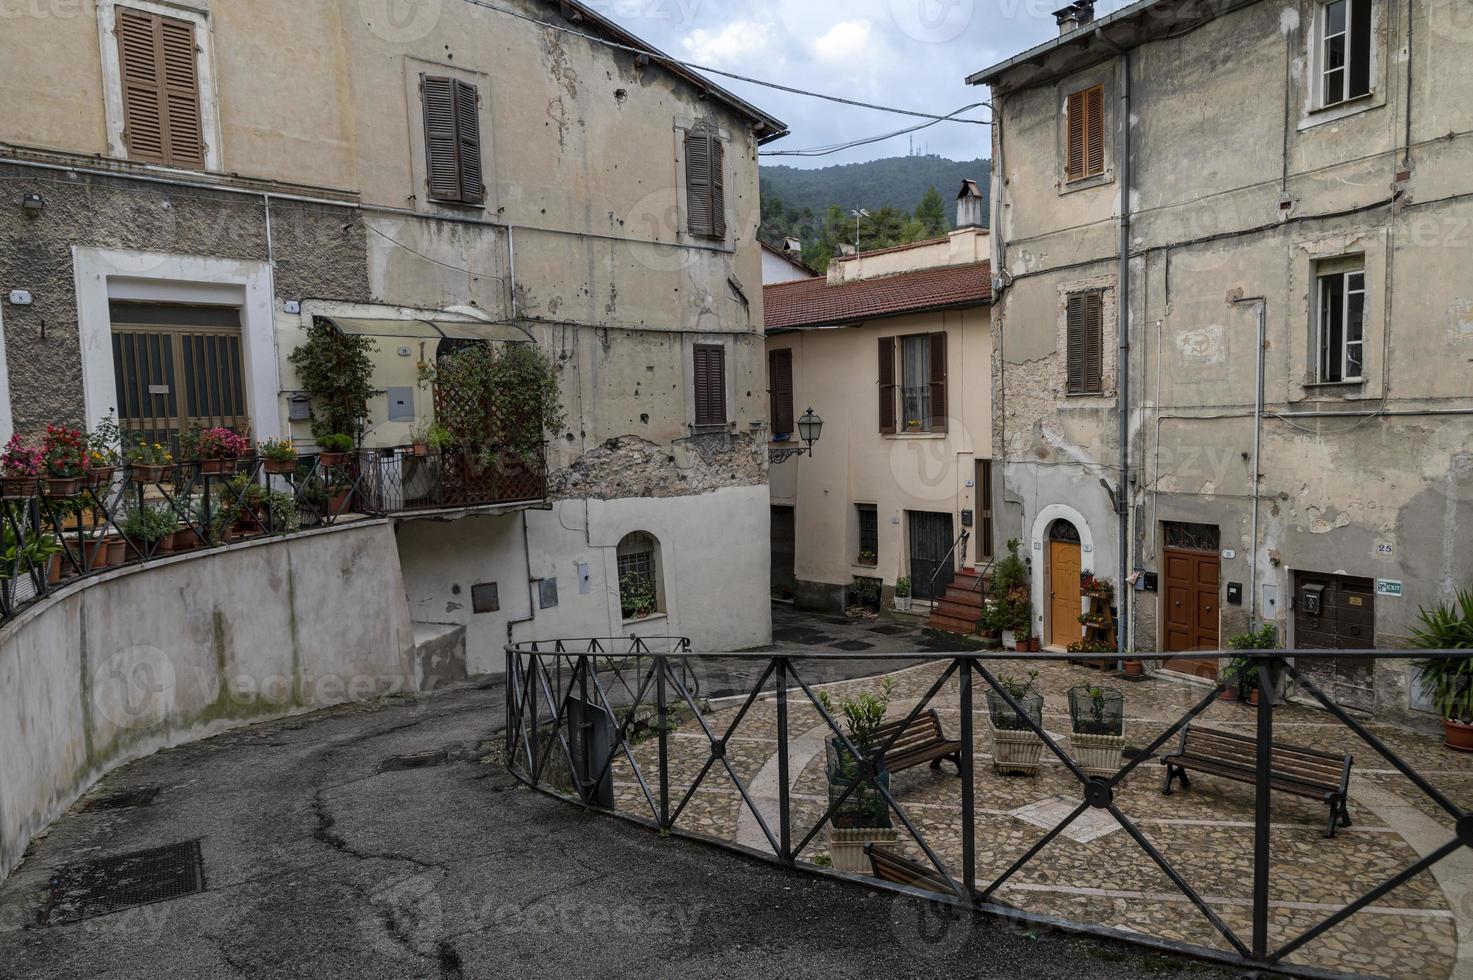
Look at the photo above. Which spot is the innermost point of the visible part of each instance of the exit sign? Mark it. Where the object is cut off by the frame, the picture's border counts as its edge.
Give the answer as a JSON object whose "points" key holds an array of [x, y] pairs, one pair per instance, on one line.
{"points": [[1388, 587]]}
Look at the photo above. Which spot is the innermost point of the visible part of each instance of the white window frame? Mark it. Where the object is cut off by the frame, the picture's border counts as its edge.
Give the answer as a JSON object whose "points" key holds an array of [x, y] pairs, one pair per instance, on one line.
{"points": [[112, 76], [1345, 290], [1322, 39], [922, 343]]}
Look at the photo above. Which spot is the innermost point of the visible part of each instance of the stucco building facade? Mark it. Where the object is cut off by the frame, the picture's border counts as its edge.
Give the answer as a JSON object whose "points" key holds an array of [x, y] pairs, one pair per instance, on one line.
{"points": [[1232, 340], [276, 162]]}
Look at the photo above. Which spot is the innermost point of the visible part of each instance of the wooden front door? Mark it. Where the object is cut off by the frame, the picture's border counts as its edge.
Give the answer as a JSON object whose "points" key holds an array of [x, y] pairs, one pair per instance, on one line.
{"points": [[1345, 620], [1192, 580], [1064, 595], [784, 551]]}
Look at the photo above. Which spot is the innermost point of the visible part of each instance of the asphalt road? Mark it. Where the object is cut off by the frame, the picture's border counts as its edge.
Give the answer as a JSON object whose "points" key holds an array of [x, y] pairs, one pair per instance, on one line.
{"points": [[320, 862]]}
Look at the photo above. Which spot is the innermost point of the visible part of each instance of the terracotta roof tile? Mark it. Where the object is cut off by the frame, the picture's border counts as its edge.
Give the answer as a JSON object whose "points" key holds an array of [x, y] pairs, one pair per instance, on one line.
{"points": [[814, 303]]}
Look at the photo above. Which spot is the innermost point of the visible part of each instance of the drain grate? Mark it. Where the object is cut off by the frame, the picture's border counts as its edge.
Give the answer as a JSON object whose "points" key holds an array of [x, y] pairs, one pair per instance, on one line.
{"points": [[88, 889], [417, 760], [124, 800]]}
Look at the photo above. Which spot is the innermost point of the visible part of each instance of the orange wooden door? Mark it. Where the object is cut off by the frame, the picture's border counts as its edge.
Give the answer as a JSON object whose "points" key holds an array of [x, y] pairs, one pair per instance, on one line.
{"points": [[1065, 597], [1192, 580]]}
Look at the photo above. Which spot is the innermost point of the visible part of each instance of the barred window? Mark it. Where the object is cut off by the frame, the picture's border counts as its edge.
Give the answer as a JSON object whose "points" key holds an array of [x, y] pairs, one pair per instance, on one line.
{"points": [[638, 566]]}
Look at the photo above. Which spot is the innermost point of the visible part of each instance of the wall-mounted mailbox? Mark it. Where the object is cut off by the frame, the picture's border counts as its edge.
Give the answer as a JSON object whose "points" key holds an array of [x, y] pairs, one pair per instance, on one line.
{"points": [[1313, 599], [966, 518], [401, 404], [299, 407], [1147, 582], [1235, 593]]}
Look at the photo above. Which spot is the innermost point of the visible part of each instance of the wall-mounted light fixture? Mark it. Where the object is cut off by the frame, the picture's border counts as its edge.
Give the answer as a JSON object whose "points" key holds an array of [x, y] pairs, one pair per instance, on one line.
{"points": [[33, 204], [810, 427]]}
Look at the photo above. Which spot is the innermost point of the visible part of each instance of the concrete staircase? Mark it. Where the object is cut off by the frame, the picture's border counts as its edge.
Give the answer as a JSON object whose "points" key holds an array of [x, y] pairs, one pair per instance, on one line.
{"points": [[961, 607]]}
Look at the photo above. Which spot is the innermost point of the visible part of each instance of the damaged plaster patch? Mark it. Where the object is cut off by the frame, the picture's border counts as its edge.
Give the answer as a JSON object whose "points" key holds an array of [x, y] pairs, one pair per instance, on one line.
{"points": [[633, 467], [1321, 521]]}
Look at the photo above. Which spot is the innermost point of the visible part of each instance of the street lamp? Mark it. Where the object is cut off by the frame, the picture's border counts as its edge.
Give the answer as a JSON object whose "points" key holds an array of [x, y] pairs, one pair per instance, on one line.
{"points": [[810, 426]]}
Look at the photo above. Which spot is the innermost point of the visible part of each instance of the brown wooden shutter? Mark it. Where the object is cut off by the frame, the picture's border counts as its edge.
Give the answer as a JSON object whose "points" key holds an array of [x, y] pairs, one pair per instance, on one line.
{"points": [[1094, 343], [442, 144], [1076, 113], [1074, 344], [717, 157], [710, 384], [1095, 131], [468, 142], [937, 344], [887, 384], [780, 380], [159, 65], [700, 220]]}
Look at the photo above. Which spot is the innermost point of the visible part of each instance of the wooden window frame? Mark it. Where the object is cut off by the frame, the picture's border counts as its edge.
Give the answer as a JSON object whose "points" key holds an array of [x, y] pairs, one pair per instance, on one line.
{"points": [[1357, 36], [710, 406], [1336, 291], [986, 549], [780, 391], [1084, 372], [463, 130], [1084, 143]]}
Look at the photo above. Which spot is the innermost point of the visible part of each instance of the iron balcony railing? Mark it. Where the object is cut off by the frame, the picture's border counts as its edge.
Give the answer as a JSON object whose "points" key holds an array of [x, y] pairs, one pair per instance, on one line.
{"points": [[640, 687], [52, 535]]}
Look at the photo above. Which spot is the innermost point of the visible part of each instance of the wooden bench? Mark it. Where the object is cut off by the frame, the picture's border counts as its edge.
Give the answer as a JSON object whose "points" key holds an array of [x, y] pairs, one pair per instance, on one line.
{"points": [[890, 866], [1322, 776], [920, 741]]}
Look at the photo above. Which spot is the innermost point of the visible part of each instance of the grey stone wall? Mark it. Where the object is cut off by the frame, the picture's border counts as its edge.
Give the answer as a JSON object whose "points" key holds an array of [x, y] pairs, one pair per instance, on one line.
{"points": [[320, 251]]}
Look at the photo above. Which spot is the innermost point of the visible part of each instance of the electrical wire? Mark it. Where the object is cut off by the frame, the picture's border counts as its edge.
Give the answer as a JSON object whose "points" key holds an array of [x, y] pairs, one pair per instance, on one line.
{"points": [[656, 55], [820, 151]]}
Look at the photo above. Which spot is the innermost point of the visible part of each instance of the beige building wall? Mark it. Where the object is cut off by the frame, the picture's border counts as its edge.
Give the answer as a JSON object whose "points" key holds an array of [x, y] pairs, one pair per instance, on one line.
{"points": [[835, 372]]}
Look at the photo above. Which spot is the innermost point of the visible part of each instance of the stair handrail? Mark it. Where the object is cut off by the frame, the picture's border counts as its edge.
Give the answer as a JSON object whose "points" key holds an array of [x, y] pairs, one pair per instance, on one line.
{"points": [[960, 542]]}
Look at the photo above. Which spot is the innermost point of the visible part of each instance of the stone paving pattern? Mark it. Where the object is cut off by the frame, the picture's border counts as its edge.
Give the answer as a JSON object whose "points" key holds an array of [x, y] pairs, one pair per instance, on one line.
{"points": [[1205, 832]]}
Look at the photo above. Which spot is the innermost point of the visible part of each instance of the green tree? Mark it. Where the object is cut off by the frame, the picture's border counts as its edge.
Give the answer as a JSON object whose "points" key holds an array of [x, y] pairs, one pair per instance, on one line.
{"points": [[931, 214], [336, 369]]}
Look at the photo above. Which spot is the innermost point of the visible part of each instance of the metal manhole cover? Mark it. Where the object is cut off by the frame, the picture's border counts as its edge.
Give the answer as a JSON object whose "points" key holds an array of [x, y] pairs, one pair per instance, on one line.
{"points": [[415, 760], [124, 800], [88, 889], [887, 629], [854, 645]]}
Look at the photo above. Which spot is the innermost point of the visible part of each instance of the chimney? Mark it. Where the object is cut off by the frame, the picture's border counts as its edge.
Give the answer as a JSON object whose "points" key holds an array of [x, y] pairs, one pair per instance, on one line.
{"points": [[793, 246], [1075, 16], [969, 205]]}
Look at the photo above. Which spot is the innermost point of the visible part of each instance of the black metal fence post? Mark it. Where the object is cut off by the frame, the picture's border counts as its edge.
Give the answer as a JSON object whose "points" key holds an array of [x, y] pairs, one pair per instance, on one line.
{"points": [[969, 835], [1262, 804], [661, 707], [784, 819]]}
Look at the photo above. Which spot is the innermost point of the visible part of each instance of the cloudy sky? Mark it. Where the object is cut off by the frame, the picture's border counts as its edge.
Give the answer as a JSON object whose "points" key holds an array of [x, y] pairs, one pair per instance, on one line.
{"points": [[908, 53]]}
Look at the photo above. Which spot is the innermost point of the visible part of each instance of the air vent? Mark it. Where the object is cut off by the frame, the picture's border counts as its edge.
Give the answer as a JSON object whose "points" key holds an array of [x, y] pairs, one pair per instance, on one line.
{"points": [[89, 889]]}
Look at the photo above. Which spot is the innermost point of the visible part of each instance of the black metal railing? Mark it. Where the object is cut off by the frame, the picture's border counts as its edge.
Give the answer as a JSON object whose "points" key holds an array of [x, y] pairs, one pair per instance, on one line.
{"points": [[546, 681], [955, 557], [52, 535]]}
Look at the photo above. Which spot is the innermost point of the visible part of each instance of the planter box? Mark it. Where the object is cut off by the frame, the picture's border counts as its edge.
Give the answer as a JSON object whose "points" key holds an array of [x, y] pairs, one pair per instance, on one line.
{"points": [[1015, 752], [902, 604], [846, 847], [19, 487], [1097, 755], [281, 467], [147, 473]]}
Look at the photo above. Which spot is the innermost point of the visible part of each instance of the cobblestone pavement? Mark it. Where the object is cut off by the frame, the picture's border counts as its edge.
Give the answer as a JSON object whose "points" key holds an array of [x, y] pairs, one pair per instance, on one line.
{"points": [[1094, 872]]}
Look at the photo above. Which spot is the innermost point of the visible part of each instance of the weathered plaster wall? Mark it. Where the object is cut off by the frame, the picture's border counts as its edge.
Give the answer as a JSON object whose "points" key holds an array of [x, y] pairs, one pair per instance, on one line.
{"points": [[145, 658], [319, 249]]}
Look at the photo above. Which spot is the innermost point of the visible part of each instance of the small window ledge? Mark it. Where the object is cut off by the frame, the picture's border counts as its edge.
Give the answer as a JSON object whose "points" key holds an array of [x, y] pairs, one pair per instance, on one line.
{"points": [[914, 435], [1315, 389]]}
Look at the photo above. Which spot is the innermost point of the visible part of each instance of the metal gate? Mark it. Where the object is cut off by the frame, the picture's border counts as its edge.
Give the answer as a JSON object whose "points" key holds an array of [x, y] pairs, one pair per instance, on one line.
{"points": [[784, 550], [1335, 612], [930, 553], [178, 368]]}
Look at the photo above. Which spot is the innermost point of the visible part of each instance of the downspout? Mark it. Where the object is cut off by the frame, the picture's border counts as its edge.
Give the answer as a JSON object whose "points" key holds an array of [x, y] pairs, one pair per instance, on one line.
{"points": [[531, 584], [1262, 305], [511, 267], [1124, 636]]}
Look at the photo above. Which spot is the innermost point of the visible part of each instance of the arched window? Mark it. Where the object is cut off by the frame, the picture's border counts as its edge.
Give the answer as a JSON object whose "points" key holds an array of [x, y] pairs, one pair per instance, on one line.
{"points": [[1062, 530], [641, 592]]}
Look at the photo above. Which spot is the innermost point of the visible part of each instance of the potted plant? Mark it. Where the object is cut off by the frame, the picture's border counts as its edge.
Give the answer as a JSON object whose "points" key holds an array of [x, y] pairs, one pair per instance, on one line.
{"points": [[913, 425], [1243, 671], [148, 526], [64, 460], [280, 456], [863, 593], [147, 461], [1009, 608], [868, 558], [864, 816], [902, 593], [1016, 747], [104, 444], [1097, 723], [218, 449], [636, 596], [1449, 683], [20, 469], [334, 449], [282, 511]]}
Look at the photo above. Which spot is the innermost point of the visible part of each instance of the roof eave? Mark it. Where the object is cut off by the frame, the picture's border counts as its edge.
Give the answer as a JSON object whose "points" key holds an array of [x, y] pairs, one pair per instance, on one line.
{"points": [[849, 321]]}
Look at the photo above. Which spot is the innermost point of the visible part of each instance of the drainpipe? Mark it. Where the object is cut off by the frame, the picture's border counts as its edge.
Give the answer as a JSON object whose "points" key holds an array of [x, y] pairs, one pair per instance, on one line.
{"points": [[1262, 306], [1123, 498]]}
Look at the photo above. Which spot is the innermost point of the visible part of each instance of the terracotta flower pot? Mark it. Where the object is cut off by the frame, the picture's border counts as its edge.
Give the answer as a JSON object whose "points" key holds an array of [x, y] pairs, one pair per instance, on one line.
{"points": [[1134, 668], [117, 549], [281, 467], [100, 476], [53, 569], [1252, 697], [421, 449], [332, 459], [1457, 735], [96, 551], [1228, 694], [216, 467], [184, 539], [147, 472], [18, 487], [338, 503], [65, 486]]}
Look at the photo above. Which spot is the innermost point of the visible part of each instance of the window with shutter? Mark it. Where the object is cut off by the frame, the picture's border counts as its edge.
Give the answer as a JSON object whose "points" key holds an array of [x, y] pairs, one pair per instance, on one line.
{"points": [[780, 380], [159, 68], [705, 185], [710, 384], [938, 382], [1086, 150], [887, 384], [1085, 343], [452, 140]]}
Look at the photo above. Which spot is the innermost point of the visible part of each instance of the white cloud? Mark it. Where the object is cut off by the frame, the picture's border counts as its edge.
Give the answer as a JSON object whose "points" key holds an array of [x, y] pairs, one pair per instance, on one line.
{"points": [[739, 42], [845, 42]]}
